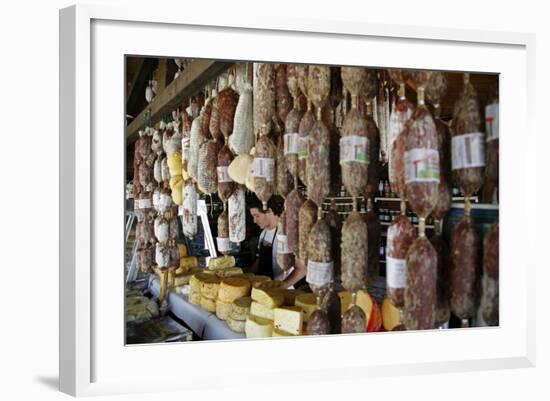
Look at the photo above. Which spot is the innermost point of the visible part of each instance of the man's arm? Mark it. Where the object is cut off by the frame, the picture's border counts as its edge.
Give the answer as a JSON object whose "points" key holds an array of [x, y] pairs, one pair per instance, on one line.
{"points": [[297, 274]]}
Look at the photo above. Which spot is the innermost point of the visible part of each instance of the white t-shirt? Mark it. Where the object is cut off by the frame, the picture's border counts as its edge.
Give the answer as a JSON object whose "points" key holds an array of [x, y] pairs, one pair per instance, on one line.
{"points": [[269, 237]]}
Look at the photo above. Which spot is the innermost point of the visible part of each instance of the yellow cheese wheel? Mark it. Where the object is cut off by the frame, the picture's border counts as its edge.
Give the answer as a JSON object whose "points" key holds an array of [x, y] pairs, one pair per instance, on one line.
{"points": [[229, 272], [223, 309], [187, 263], [308, 303], [232, 288], [236, 325], [194, 297], [208, 304], [272, 298], [196, 280], [221, 262], [269, 285], [182, 250], [241, 308], [259, 310], [390, 315], [256, 327], [210, 286]]}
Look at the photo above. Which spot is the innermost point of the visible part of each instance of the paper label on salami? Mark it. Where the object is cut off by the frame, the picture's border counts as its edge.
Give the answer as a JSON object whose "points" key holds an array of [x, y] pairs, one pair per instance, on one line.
{"points": [[263, 168], [354, 148], [282, 244], [491, 121], [422, 165], [223, 174], [319, 273], [291, 144], [302, 147], [145, 203], [180, 210], [185, 148], [223, 244], [396, 272], [468, 150]]}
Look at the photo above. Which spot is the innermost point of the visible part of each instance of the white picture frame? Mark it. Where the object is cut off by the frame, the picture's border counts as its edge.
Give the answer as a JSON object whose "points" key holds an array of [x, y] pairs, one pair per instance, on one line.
{"points": [[93, 358]]}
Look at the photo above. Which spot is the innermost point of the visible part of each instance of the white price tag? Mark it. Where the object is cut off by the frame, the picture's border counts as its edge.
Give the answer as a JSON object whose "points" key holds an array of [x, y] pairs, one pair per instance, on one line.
{"points": [[319, 273], [468, 150], [223, 244], [354, 148], [491, 121], [422, 165], [223, 174], [396, 272], [291, 143], [185, 148], [263, 168], [144, 203]]}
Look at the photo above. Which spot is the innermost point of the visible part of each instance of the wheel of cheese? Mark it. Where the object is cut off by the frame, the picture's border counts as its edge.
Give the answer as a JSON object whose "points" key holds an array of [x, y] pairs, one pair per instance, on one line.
{"points": [[271, 298], [195, 282], [194, 297], [230, 272], [223, 309], [232, 288], [236, 325], [208, 304], [210, 286], [241, 308], [256, 327], [308, 303], [262, 311]]}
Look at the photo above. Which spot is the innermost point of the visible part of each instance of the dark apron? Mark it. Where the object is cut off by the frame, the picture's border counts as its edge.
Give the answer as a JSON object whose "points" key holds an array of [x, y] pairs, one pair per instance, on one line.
{"points": [[265, 262]]}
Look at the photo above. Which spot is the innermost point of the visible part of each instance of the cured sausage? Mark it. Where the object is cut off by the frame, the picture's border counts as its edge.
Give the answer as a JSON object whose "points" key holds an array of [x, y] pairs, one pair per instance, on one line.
{"points": [[401, 234], [468, 143], [354, 248], [318, 163], [421, 292], [306, 125], [226, 185], [227, 103], [242, 139], [263, 169], [354, 320], [237, 215], [207, 167], [320, 267], [489, 284], [205, 115], [422, 161], [331, 305], [335, 223], [464, 268], [444, 198], [284, 181], [442, 309], [189, 216], [293, 203], [264, 97], [373, 171], [282, 93], [318, 323]]}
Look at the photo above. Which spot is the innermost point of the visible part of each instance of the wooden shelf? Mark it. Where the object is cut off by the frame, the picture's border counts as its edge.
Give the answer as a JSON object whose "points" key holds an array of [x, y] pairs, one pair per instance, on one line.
{"points": [[192, 80]]}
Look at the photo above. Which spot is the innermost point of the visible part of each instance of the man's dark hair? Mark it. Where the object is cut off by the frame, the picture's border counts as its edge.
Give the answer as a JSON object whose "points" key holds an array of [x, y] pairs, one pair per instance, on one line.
{"points": [[275, 203]]}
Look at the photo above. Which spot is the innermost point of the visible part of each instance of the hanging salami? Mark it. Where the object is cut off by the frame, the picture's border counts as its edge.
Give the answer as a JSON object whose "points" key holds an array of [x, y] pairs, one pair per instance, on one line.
{"points": [[226, 185], [293, 203], [237, 215], [264, 169], [285, 258], [490, 283]]}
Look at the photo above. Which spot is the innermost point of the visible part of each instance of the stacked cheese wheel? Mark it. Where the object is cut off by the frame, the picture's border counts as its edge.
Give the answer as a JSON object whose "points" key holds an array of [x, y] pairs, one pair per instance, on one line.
{"points": [[195, 286], [230, 289], [209, 293], [240, 308]]}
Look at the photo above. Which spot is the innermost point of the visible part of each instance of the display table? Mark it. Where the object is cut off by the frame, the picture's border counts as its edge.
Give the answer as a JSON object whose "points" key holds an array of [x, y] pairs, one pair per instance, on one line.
{"points": [[205, 324]]}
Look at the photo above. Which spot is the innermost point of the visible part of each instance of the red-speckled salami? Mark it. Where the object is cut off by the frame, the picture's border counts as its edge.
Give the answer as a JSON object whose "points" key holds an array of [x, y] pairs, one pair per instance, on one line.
{"points": [[282, 93], [468, 142], [442, 309], [444, 190], [306, 125], [318, 323], [436, 88], [292, 81], [285, 258], [401, 234], [330, 303], [207, 167], [206, 113], [284, 181], [318, 163], [421, 292], [464, 269], [489, 284], [264, 97], [422, 161], [227, 104], [320, 267], [146, 258], [293, 203], [226, 185], [306, 218], [354, 254], [354, 320], [292, 140], [264, 169]]}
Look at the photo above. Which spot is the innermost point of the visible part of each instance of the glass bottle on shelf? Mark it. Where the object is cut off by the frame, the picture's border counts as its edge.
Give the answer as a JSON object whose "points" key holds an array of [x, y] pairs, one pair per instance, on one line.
{"points": [[381, 188], [386, 189]]}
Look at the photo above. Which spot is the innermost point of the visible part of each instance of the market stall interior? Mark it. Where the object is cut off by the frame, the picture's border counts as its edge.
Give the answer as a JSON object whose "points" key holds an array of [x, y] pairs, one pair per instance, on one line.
{"points": [[270, 200]]}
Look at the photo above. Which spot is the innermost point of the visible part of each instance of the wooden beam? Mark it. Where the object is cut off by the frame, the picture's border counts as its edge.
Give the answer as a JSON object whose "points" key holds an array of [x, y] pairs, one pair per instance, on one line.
{"points": [[197, 74], [162, 77], [139, 83]]}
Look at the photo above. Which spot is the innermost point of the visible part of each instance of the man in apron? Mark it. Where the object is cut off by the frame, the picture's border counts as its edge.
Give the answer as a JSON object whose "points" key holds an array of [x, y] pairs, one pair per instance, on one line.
{"points": [[266, 252]]}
